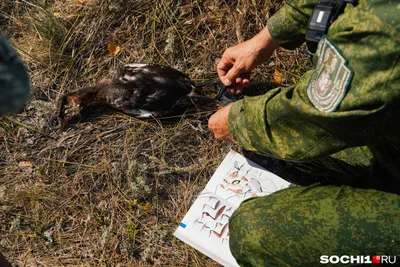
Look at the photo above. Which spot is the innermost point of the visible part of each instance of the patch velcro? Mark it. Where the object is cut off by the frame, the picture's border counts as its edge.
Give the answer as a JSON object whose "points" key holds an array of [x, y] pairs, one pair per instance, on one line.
{"points": [[330, 79]]}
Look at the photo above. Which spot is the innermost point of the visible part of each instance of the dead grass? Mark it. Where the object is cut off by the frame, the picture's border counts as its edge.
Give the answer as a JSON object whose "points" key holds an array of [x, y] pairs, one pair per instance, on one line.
{"points": [[111, 189]]}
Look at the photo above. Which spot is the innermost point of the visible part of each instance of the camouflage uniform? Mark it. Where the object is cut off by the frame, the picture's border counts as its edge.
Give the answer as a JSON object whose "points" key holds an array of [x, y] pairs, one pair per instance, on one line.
{"points": [[14, 80], [353, 119]]}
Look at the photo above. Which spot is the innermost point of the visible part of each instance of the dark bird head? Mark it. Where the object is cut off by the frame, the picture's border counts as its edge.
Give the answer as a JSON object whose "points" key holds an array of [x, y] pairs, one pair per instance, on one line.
{"points": [[72, 103], [70, 106]]}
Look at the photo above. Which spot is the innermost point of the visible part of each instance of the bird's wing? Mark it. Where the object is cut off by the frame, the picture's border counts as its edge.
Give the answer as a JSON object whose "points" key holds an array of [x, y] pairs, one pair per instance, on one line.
{"points": [[153, 87]]}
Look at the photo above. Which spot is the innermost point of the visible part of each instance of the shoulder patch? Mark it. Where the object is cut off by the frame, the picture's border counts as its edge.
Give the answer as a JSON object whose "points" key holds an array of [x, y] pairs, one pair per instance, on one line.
{"points": [[330, 79]]}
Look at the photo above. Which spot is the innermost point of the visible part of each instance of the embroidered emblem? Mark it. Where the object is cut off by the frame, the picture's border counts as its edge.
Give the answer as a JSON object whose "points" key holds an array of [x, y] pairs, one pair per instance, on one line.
{"points": [[330, 79]]}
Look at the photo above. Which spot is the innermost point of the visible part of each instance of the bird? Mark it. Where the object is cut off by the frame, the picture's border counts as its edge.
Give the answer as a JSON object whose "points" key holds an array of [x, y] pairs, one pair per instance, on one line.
{"points": [[143, 91]]}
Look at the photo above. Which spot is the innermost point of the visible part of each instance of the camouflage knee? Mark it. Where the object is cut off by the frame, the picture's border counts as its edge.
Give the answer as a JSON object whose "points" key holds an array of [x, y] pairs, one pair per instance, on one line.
{"points": [[248, 242], [296, 226]]}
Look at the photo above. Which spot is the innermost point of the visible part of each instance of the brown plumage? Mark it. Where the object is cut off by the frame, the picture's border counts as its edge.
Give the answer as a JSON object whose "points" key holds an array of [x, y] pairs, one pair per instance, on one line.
{"points": [[140, 90]]}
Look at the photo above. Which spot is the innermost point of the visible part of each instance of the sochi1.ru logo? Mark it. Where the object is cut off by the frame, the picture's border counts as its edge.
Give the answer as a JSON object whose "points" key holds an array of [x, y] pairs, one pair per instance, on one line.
{"points": [[359, 259]]}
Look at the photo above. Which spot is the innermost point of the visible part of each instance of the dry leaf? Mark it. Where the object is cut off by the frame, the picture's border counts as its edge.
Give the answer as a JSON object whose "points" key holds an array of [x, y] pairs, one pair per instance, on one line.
{"points": [[278, 78], [24, 163], [147, 207], [56, 14], [113, 48], [80, 2]]}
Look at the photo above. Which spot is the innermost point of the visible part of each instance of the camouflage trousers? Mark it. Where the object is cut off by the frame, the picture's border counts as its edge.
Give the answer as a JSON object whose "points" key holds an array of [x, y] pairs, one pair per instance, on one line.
{"points": [[296, 226], [338, 215]]}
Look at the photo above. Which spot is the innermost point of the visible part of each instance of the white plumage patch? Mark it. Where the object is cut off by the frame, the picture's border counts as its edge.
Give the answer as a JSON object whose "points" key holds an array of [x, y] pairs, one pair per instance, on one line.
{"points": [[145, 70], [130, 78], [135, 65], [159, 79], [140, 113]]}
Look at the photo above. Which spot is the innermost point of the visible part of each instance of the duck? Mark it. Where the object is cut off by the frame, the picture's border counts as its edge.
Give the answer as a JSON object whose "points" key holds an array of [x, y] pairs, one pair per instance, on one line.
{"points": [[143, 91]]}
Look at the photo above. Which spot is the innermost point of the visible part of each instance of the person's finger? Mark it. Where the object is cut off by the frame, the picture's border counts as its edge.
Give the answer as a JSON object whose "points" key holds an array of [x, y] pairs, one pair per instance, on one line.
{"points": [[223, 67], [218, 122], [246, 78], [232, 88], [232, 74], [239, 85]]}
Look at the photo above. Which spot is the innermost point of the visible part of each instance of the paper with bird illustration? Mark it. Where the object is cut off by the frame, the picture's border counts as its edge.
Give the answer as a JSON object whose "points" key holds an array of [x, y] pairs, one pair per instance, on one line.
{"points": [[206, 225]]}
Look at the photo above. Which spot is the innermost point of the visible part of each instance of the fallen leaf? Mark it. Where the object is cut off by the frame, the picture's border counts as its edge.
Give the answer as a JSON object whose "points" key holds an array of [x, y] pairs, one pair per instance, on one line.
{"points": [[80, 2], [25, 163], [147, 207], [56, 14], [113, 48], [278, 77]]}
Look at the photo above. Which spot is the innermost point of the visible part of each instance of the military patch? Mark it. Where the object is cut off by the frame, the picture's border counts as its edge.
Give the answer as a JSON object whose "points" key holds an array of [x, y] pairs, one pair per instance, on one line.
{"points": [[330, 79]]}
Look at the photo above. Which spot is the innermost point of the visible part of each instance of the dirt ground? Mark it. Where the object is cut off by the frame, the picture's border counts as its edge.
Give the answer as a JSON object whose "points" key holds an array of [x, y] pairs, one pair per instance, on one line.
{"points": [[111, 189]]}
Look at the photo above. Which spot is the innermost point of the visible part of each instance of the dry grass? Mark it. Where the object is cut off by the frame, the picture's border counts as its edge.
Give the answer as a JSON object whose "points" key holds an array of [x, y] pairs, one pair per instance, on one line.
{"points": [[111, 189]]}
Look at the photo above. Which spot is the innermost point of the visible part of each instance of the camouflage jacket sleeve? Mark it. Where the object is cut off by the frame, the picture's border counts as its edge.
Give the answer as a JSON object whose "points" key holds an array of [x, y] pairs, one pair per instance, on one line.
{"points": [[288, 25], [284, 122]]}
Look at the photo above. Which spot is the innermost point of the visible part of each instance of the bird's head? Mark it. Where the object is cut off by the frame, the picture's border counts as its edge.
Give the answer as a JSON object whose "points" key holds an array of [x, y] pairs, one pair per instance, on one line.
{"points": [[70, 106]]}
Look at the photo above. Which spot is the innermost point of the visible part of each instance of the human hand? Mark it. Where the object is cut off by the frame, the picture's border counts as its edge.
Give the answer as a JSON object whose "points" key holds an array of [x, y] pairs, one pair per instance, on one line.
{"points": [[238, 61], [218, 123]]}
